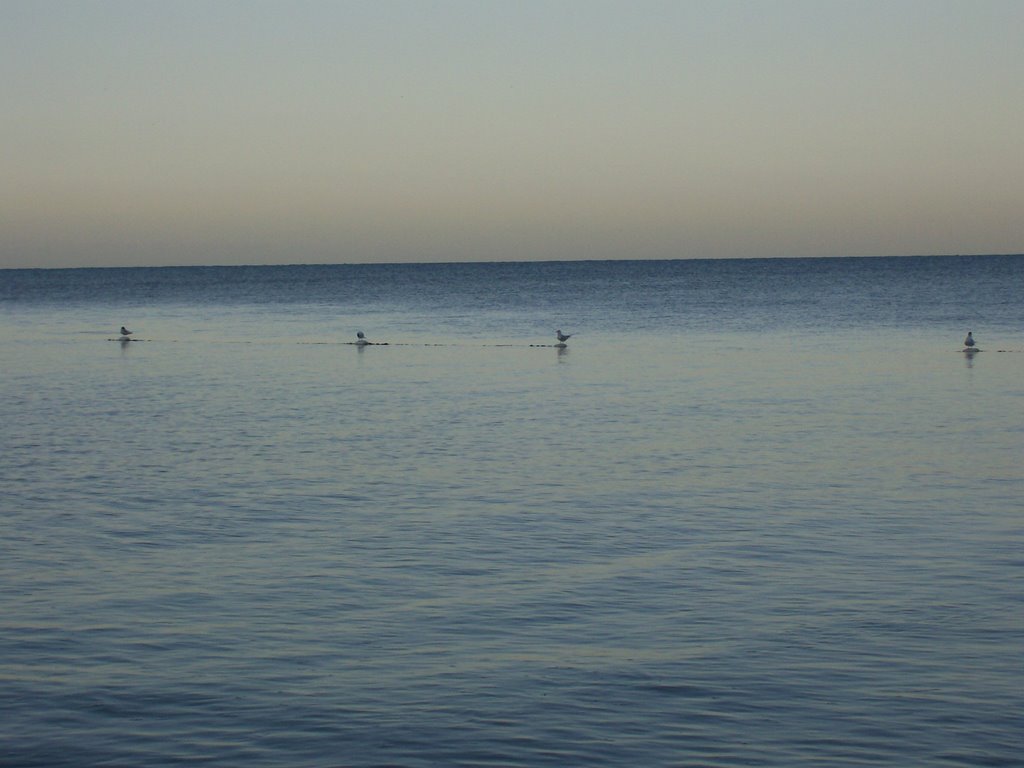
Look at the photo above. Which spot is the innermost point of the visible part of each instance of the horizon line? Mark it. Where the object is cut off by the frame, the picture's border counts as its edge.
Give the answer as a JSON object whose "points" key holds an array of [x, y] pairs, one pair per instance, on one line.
{"points": [[519, 261]]}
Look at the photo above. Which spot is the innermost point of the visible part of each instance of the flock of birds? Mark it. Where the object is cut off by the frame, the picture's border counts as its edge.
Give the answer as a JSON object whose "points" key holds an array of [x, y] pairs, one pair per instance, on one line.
{"points": [[362, 341]]}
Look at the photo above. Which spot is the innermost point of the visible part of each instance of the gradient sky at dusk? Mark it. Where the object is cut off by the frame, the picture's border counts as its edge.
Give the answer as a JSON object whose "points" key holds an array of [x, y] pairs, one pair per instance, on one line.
{"points": [[138, 132]]}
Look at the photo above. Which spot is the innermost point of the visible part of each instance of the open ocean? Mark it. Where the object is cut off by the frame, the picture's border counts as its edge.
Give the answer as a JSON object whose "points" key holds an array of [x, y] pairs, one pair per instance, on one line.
{"points": [[756, 513]]}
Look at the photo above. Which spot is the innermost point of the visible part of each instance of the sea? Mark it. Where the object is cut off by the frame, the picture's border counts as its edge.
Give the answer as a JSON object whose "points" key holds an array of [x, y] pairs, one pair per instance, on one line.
{"points": [[759, 512]]}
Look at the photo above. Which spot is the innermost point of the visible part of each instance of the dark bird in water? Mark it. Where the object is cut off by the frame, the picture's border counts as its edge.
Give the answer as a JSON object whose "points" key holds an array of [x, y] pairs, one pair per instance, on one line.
{"points": [[125, 331], [969, 341], [562, 337]]}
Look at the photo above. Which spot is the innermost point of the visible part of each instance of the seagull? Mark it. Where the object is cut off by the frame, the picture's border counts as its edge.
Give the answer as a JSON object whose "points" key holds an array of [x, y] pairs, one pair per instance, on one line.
{"points": [[125, 331], [562, 337], [362, 338], [968, 342]]}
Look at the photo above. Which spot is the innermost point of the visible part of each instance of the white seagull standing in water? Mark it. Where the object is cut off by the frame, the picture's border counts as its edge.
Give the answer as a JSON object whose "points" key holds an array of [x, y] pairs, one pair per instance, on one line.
{"points": [[969, 341], [361, 338], [562, 337], [125, 331]]}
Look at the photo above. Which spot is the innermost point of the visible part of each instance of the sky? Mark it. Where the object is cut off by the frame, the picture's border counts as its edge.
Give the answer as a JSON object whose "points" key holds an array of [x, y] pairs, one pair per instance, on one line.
{"points": [[144, 132]]}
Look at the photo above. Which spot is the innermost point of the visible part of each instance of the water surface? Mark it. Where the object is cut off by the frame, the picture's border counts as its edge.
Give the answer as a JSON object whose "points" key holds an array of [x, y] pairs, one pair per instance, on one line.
{"points": [[756, 513]]}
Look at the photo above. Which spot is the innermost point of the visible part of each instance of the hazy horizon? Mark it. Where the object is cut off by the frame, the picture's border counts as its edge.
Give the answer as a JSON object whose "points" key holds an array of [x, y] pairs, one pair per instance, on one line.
{"points": [[214, 265], [145, 134]]}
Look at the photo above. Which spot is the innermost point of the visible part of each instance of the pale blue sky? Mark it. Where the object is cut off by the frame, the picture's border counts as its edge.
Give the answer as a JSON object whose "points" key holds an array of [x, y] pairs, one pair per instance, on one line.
{"points": [[228, 132]]}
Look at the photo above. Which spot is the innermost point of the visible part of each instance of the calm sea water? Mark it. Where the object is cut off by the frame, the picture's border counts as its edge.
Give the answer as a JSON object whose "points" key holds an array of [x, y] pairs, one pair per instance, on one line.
{"points": [[757, 513]]}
